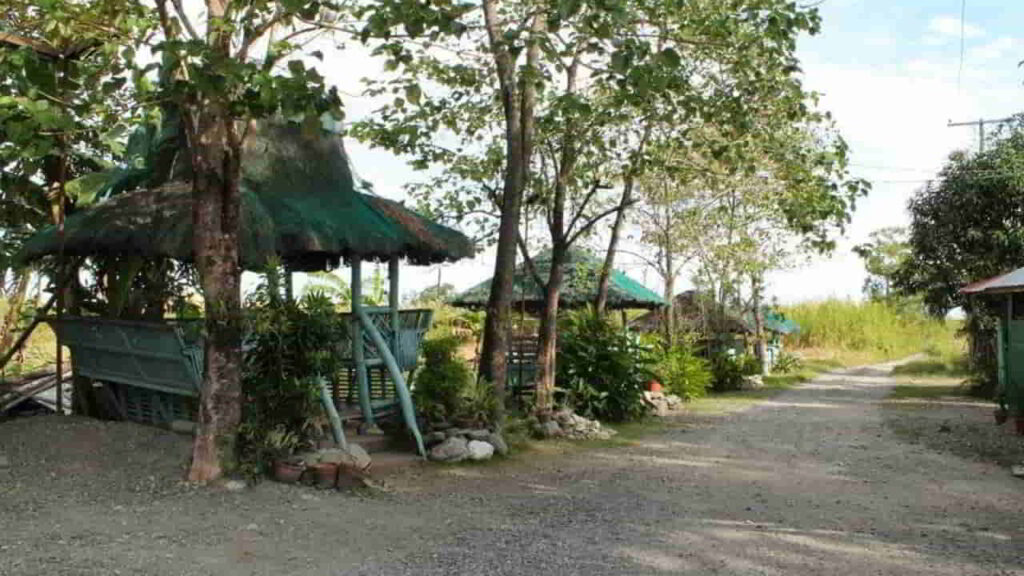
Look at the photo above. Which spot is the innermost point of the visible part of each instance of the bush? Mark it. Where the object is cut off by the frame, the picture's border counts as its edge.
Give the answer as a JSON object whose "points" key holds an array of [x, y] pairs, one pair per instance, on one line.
{"points": [[787, 363], [682, 372], [602, 370], [442, 381], [728, 371], [289, 346]]}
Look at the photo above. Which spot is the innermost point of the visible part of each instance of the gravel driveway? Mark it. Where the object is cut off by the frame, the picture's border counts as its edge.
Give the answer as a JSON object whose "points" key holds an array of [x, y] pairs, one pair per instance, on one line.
{"points": [[810, 482]]}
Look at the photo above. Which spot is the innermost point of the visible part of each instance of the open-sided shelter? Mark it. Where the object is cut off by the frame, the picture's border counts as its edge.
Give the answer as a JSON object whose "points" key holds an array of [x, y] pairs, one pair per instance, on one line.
{"points": [[300, 205]]}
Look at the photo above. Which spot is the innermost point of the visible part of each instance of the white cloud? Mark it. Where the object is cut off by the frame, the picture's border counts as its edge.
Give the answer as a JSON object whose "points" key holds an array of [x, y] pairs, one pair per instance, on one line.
{"points": [[949, 27], [997, 48]]}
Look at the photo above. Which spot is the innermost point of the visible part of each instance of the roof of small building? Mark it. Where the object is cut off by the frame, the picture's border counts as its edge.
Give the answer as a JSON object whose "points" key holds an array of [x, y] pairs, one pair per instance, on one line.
{"points": [[1010, 282]]}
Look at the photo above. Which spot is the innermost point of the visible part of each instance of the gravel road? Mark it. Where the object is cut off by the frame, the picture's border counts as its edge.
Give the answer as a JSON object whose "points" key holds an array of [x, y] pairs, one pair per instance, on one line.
{"points": [[810, 482]]}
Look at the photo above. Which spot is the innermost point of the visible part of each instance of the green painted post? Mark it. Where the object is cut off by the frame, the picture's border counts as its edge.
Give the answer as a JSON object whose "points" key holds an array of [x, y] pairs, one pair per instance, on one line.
{"points": [[332, 414], [404, 398], [358, 349], [396, 341]]}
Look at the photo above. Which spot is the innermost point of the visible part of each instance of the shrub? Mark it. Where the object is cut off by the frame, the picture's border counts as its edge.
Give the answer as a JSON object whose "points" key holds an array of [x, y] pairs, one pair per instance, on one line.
{"points": [[442, 381], [787, 363], [602, 370], [727, 372], [682, 372]]}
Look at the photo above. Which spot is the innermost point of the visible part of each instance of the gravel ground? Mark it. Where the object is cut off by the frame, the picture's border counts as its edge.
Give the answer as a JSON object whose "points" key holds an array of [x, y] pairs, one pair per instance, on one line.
{"points": [[810, 482]]}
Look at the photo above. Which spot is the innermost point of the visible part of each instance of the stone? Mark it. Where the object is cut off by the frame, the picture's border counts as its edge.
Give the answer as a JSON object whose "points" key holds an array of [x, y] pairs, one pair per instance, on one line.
{"points": [[452, 432], [479, 434], [1018, 471], [4, 462], [498, 441], [752, 382], [479, 450], [564, 416], [234, 485], [454, 449], [435, 437], [367, 429], [183, 426], [549, 429], [355, 457]]}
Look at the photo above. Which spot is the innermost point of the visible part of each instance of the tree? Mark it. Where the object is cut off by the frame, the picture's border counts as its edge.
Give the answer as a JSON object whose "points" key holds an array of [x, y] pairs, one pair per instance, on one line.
{"points": [[883, 255], [590, 75], [967, 225]]}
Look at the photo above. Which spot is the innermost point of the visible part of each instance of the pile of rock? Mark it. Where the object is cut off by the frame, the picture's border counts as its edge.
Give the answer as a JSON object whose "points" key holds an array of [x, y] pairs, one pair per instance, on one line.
{"points": [[663, 404], [754, 382], [567, 424], [458, 444]]}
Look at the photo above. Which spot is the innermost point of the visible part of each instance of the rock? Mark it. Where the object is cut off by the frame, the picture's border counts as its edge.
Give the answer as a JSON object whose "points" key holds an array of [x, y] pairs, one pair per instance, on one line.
{"points": [[435, 437], [479, 434], [452, 432], [355, 457], [1017, 471], [234, 485], [479, 450], [454, 449], [564, 416], [252, 527], [549, 429], [752, 382], [183, 426], [4, 462], [498, 441]]}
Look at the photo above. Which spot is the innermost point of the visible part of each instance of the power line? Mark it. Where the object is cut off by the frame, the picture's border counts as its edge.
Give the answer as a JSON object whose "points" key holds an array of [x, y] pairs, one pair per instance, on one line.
{"points": [[981, 128]]}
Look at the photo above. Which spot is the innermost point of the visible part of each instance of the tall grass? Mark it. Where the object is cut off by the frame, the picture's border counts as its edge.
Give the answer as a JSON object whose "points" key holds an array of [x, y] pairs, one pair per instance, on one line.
{"points": [[39, 352], [863, 332]]}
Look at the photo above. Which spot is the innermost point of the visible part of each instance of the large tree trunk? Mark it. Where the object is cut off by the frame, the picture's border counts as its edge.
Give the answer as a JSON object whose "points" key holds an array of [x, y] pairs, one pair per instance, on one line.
{"points": [[548, 345], [216, 161], [14, 305], [518, 103]]}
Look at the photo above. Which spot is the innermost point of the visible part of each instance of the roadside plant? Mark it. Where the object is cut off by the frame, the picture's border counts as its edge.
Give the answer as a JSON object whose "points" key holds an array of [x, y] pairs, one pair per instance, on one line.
{"points": [[682, 372], [602, 370], [442, 380]]}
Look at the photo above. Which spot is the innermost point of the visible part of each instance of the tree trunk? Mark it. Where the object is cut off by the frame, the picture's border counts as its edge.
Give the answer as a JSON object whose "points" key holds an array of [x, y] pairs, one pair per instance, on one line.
{"points": [[670, 308], [518, 104], [756, 283], [216, 152], [548, 349], [14, 305]]}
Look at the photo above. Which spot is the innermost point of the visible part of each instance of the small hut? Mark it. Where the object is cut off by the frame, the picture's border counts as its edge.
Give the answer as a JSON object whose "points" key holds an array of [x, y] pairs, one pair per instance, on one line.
{"points": [[719, 328], [579, 289], [300, 206], [1006, 292]]}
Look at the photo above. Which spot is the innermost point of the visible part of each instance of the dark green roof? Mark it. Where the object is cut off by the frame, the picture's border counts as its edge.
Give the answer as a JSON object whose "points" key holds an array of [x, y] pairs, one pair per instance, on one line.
{"points": [[579, 286], [299, 202]]}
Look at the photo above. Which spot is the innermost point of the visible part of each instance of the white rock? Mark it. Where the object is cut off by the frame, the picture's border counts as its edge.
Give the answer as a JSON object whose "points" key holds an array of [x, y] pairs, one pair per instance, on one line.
{"points": [[4, 462], [234, 485], [480, 450], [454, 449], [354, 457], [1017, 471], [480, 434], [500, 446]]}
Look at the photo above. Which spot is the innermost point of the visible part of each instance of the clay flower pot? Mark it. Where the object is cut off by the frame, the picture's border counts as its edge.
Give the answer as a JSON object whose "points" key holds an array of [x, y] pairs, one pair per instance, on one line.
{"points": [[654, 386], [288, 472], [325, 474]]}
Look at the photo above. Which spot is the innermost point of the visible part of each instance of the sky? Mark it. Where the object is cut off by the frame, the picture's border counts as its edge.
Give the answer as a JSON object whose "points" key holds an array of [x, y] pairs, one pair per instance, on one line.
{"points": [[891, 72]]}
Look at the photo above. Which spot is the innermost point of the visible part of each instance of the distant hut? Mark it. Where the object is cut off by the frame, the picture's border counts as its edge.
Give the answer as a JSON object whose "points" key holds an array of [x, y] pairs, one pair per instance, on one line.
{"points": [[1005, 294], [718, 328]]}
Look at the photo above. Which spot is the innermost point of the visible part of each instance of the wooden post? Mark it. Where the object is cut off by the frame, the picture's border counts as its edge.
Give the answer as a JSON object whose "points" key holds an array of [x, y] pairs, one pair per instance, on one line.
{"points": [[396, 341], [358, 347]]}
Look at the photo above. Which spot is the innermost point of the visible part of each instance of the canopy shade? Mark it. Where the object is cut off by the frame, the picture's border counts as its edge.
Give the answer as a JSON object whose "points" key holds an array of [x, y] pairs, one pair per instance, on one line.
{"points": [[579, 287], [299, 203]]}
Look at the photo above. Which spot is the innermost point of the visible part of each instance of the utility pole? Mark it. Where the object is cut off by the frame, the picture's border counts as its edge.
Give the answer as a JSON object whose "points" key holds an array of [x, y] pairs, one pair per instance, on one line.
{"points": [[980, 123]]}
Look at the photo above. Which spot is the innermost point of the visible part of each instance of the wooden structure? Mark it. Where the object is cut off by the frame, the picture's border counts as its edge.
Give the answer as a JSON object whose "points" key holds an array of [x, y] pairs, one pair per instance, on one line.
{"points": [[1006, 292]]}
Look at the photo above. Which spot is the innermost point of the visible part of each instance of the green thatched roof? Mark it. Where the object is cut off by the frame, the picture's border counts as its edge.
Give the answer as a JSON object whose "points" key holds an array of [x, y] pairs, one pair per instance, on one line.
{"points": [[579, 287], [299, 202]]}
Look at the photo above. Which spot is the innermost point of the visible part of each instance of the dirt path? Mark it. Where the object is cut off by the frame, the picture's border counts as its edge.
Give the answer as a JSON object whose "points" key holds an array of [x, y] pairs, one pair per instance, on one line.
{"points": [[810, 482]]}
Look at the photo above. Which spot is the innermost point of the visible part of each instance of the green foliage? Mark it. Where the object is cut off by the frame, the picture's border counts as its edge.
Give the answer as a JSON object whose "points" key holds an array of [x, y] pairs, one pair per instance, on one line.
{"points": [[441, 380], [969, 224], [864, 332], [682, 372], [883, 257], [787, 363], [729, 370], [478, 405], [602, 370], [289, 347]]}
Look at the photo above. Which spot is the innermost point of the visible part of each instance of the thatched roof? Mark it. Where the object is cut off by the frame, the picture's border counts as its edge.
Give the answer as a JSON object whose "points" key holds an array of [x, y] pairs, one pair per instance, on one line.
{"points": [[694, 314], [579, 287], [299, 203]]}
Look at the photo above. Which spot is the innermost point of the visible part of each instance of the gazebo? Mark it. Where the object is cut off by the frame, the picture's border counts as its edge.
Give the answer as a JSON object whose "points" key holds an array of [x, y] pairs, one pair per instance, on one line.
{"points": [[579, 289], [301, 206], [1006, 291]]}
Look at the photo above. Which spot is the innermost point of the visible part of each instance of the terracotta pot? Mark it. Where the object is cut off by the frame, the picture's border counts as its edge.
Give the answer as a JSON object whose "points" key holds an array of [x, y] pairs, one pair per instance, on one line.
{"points": [[287, 472], [654, 386], [325, 474]]}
